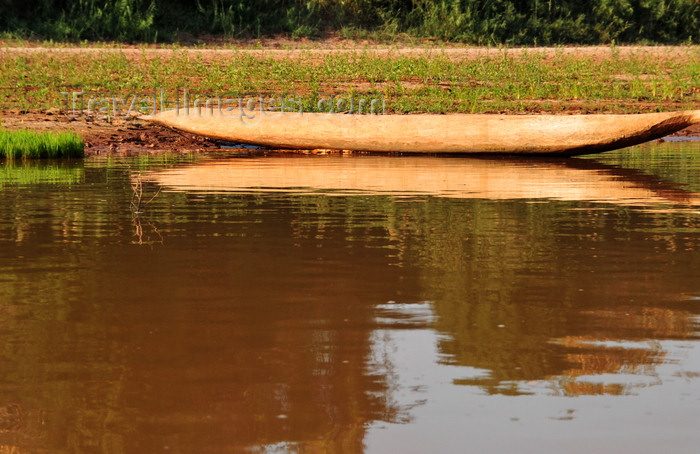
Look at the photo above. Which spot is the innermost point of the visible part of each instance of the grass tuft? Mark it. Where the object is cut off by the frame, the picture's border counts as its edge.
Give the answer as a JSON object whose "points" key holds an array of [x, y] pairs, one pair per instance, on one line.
{"points": [[36, 145]]}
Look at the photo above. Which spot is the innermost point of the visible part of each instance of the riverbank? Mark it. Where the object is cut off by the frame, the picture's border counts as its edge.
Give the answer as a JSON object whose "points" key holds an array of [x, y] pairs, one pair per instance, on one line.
{"points": [[101, 137], [409, 79]]}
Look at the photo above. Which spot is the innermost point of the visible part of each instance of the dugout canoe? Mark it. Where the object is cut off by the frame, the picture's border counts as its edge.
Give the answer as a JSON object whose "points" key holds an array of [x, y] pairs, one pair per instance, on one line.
{"points": [[428, 133]]}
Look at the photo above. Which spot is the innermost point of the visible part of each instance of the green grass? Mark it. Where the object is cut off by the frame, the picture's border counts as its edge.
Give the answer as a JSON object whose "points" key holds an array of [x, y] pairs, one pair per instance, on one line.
{"points": [[499, 81], [35, 145]]}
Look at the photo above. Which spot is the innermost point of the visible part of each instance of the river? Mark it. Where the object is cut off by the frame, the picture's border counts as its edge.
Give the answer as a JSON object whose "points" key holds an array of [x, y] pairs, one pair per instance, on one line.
{"points": [[258, 302]]}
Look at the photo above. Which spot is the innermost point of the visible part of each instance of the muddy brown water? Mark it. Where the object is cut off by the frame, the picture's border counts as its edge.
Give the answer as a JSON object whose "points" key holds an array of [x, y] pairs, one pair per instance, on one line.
{"points": [[269, 303]]}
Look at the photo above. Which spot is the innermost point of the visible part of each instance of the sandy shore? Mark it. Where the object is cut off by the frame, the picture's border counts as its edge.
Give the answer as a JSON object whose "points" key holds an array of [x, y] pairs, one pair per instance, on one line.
{"points": [[321, 50]]}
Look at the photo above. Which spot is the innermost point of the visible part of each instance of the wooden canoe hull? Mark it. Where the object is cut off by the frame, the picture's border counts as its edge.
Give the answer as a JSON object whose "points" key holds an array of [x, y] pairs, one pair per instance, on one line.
{"points": [[425, 133]]}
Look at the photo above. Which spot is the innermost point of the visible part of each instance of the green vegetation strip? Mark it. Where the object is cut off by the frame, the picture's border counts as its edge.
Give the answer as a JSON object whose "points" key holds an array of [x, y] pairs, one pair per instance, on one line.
{"points": [[35, 145], [522, 22], [435, 81]]}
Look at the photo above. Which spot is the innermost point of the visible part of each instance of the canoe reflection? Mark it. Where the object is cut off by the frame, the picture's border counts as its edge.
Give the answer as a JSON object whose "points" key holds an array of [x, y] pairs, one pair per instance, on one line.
{"points": [[563, 179]]}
